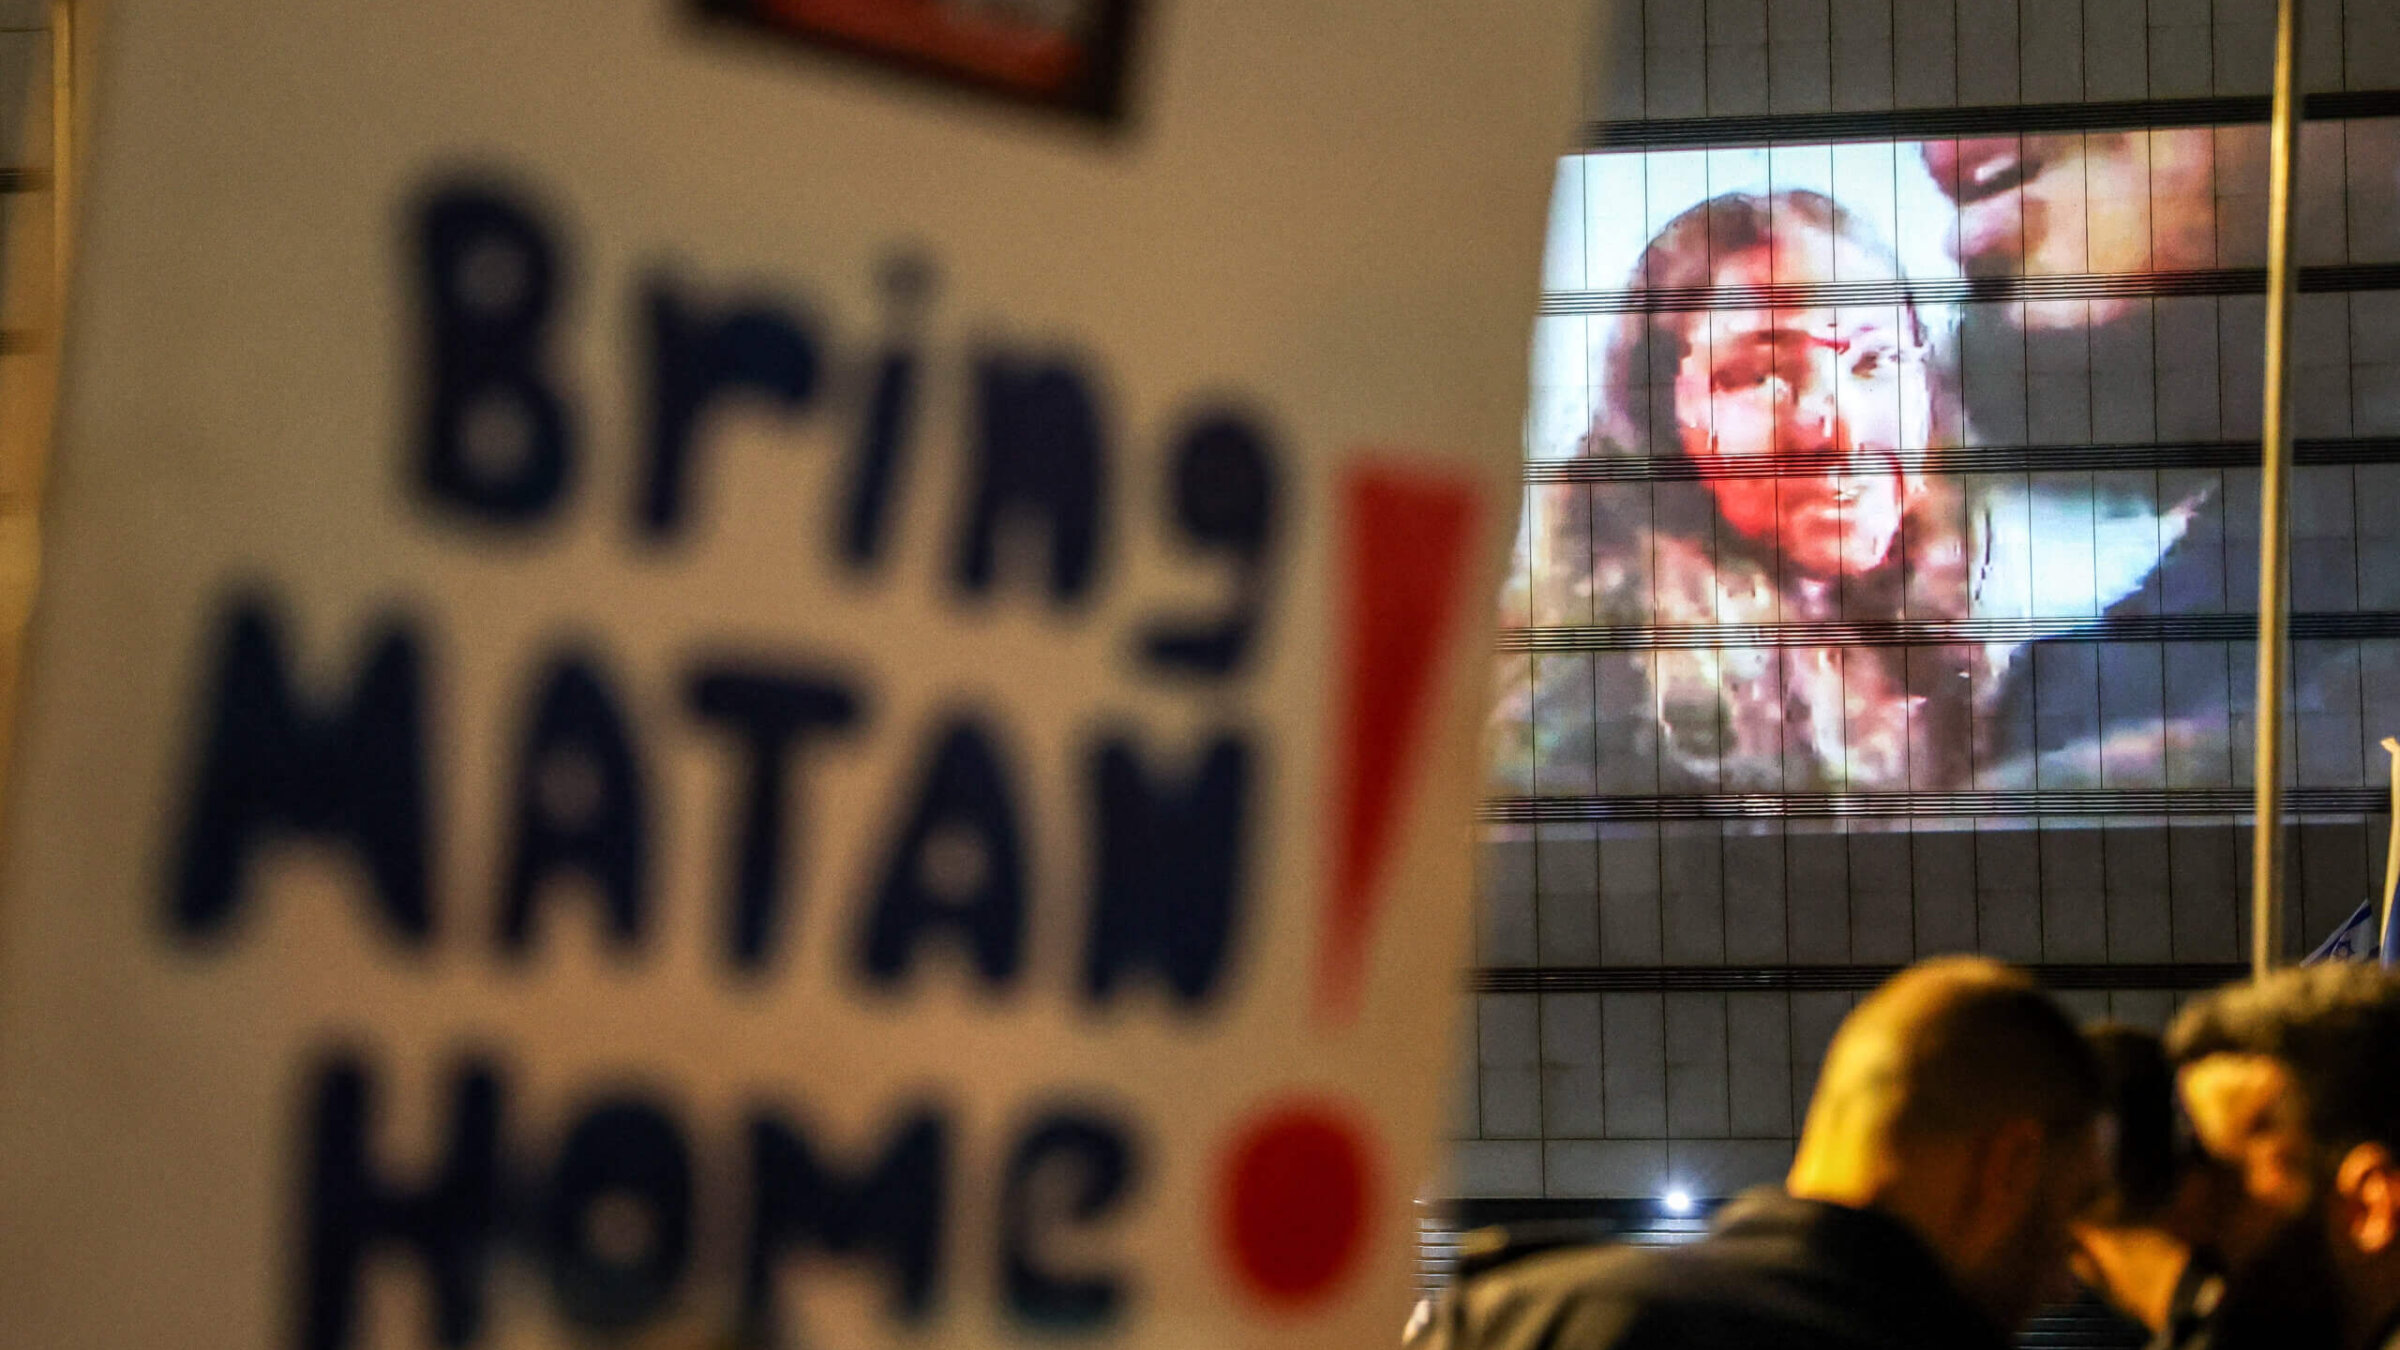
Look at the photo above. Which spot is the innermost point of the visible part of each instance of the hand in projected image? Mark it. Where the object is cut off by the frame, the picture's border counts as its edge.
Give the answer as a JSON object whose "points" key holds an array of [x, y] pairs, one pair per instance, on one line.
{"points": [[2092, 202]]}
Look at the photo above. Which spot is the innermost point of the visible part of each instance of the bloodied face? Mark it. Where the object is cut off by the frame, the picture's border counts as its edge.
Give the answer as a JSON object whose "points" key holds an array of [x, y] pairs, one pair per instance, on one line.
{"points": [[1805, 422]]}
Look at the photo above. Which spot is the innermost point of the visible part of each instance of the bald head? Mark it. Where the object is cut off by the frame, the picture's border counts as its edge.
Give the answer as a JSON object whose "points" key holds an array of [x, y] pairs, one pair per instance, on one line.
{"points": [[1953, 1047], [1959, 1099]]}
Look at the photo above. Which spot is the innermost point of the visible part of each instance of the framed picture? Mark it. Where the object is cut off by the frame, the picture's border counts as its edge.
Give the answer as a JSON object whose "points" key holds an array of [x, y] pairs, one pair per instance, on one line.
{"points": [[1067, 55]]}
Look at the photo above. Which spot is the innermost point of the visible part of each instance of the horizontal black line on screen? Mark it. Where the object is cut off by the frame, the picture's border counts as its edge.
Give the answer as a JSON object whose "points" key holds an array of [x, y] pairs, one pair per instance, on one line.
{"points": [[1773, 806], [1967, 290], [2130, 977], [1969, 459], [1924, 124], [23, 180], [2329, 626]]}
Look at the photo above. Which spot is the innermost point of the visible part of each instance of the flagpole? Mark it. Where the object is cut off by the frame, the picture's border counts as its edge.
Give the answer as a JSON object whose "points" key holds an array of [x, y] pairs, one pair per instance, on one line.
{"points": [[2274, 566], [2385, 947]]}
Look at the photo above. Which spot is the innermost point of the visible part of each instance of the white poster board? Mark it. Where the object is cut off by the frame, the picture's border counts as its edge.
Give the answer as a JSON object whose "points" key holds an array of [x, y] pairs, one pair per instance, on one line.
{"points": [[698, 684]]}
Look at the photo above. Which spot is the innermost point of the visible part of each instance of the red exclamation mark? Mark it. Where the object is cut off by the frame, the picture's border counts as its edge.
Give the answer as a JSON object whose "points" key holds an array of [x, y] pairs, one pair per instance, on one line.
{"points": [[1405, 539]]}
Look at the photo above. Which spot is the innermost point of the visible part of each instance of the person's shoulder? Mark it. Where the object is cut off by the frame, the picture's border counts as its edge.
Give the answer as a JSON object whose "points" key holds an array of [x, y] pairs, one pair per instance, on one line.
{"points": [[1577, 1266], [1607, 1297], [1584, 1297]]}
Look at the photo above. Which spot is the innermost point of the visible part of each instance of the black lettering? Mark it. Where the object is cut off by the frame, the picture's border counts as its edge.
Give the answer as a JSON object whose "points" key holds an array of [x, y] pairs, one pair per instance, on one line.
{"points": [[884, 436], [1224, 502], [1168, 878], [1039, 460], [776, 716], [353, 771], [698, 360], [495, 440], [1101, 1165], [957, 865], [352, 1212], [892, 1215], [579, 806], [617, 1225]]}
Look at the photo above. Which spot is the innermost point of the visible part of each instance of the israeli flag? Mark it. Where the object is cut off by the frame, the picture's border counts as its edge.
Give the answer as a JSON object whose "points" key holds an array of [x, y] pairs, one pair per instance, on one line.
{"points": [[2355, 940]]}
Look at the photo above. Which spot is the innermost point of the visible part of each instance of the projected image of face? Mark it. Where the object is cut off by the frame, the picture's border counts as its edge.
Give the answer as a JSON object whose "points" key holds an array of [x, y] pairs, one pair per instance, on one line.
{"points": [[1802, 514], [1795, 435], [1803, 421], [1832, 400]]}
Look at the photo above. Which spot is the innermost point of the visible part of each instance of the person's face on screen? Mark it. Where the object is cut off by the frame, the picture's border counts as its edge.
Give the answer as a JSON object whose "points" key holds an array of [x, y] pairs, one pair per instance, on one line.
{"points": [[1845, 387], [2112, 202]]}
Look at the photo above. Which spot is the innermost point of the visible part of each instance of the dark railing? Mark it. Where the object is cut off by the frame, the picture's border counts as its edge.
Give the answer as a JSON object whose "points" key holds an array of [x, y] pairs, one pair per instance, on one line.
{"points": [[1769, 806], [2356, 625], [1927, 124], [1675, 468], [2119, 978], [1865, 292]]}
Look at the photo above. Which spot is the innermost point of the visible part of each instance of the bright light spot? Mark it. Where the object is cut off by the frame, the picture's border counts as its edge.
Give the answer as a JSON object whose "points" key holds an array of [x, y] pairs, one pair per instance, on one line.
{"points": [[1678, 1201]]}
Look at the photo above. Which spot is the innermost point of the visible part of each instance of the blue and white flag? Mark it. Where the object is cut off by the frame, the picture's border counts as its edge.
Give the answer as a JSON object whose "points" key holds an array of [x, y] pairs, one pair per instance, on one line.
{"points": [[2355, 940]]}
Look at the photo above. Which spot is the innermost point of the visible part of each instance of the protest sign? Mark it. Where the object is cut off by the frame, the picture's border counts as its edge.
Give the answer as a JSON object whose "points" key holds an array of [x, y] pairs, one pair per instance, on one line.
{"points": [[687, 686]]}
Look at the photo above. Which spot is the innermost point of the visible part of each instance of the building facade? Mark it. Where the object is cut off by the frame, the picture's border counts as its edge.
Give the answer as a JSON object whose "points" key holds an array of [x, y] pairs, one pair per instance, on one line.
{"points": [[1891, 544]]}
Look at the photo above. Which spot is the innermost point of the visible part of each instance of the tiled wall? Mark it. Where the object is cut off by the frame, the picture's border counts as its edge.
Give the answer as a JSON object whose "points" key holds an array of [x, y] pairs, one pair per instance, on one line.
{"points": [[1622, 1094], [1619, 1094], [1702, 1088]]}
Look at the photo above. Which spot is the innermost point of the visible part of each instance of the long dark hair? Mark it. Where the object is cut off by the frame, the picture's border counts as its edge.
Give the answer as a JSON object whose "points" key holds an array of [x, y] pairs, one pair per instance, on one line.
{"points": [[1660, 553], [1679, 266]]}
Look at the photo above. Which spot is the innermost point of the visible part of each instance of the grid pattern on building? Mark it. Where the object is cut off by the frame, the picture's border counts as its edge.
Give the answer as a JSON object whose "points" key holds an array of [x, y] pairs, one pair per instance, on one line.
{"points": [[1663, 957]]}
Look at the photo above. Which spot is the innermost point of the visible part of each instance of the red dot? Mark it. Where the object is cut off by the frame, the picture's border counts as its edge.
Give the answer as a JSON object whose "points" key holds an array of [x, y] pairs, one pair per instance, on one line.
{"points": [[1292, 1203]]}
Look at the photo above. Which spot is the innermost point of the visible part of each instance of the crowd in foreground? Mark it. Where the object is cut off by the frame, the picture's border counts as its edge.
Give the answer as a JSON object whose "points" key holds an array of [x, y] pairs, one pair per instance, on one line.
{"points": [[1969, 1156]]}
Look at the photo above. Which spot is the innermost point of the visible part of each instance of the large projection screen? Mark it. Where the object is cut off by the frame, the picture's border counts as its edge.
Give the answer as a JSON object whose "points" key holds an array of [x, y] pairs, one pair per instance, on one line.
{"points": [[1887, 576], [1915, 467]]}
